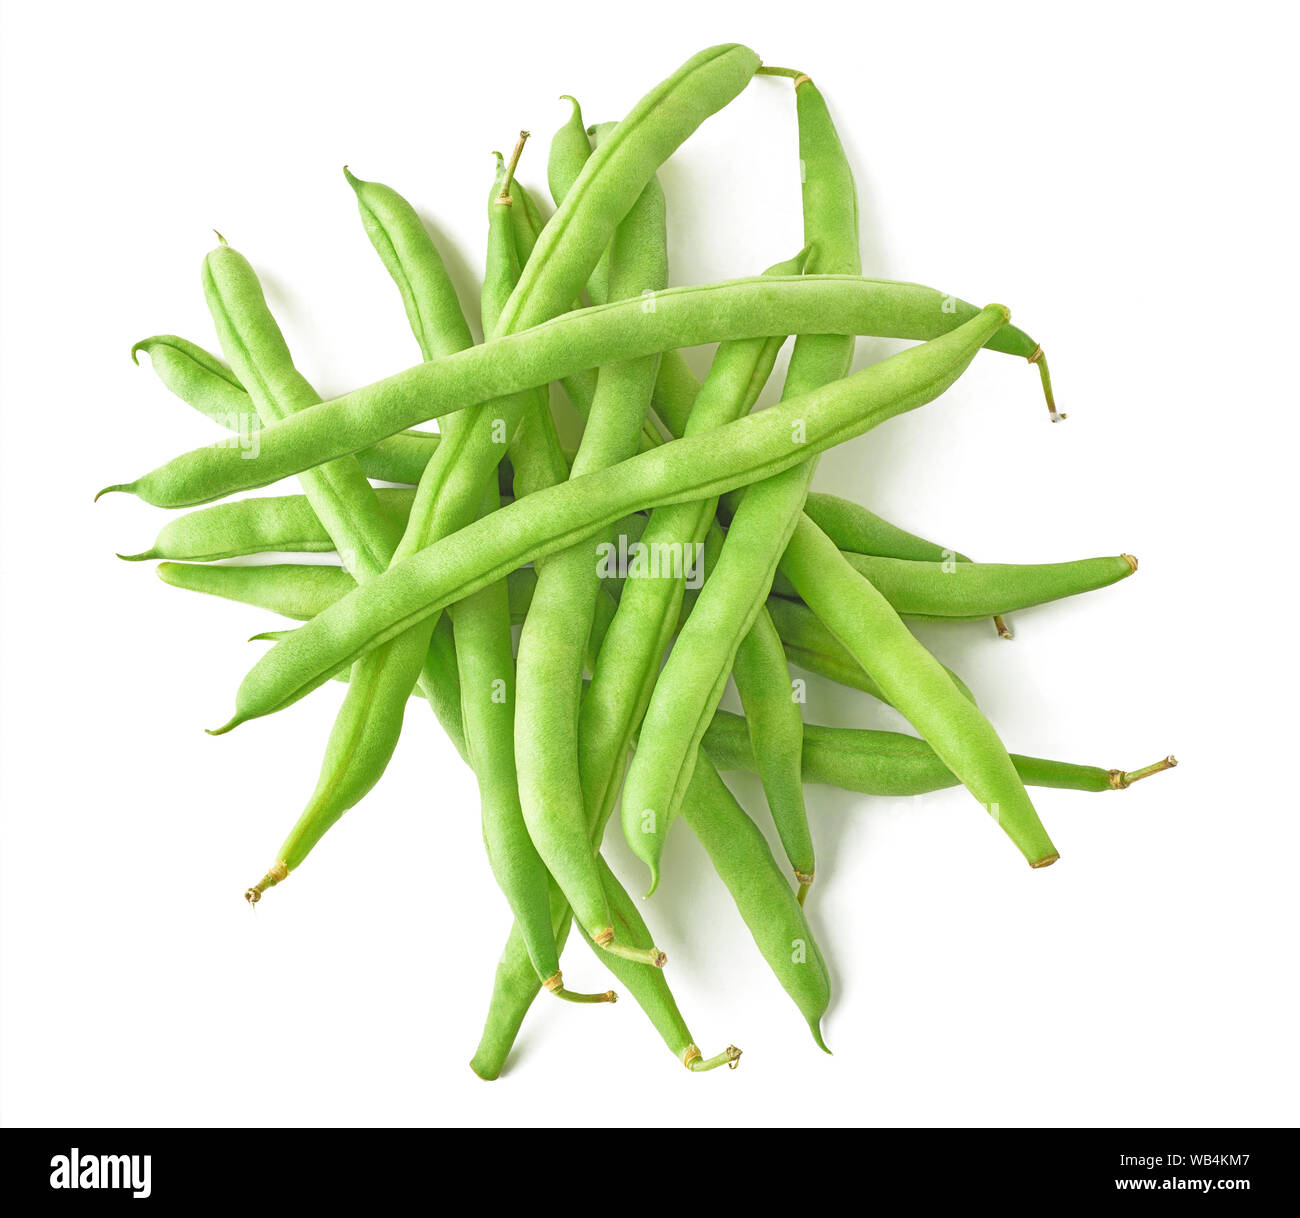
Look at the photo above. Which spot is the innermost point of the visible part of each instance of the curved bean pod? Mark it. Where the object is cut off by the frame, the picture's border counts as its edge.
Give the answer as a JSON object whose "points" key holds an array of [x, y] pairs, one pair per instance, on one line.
{"points": [[894, 764], [691, 468], [487, 669], [553, 642], [271, 524], [773, 913], [649, 609], [695, 674], [301, 592], [915, 682], [365, 538], [586, 338], [773, 718], [967, 591], [809, 644]]}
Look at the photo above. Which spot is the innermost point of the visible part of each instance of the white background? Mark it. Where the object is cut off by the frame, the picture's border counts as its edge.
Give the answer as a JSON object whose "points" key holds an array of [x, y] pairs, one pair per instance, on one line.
{"points": [[1121, 177]]}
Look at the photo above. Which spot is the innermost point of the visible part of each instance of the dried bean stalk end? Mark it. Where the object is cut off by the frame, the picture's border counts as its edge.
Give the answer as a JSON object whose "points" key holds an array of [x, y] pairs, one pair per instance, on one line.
{"points": [[277, 874], [1119, 779], [695, 1061]]}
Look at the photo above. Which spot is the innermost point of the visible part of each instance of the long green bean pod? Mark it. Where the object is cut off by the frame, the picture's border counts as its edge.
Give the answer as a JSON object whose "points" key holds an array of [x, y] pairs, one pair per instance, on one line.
{"points": [[915, 682], [585, 338], [893, 764], [202, 381], [552, 644], [696, 672], [694, 467], [628, 664]]}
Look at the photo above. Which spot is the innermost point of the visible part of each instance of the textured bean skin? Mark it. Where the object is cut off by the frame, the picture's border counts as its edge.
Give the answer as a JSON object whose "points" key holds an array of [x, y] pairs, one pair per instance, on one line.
{"points": [[690, 468], [294, 590], [970, 591], [853, 527], [610, 182], [344, 502], [301, 592], [884, 763], [553, 642], [606, 189], [682, 317], [775, 721], [695, 675], [489, 687], [774, 916], [273, 524], [649, 609], [915, 682], [809, 644], [202, 381], [365, 537]]}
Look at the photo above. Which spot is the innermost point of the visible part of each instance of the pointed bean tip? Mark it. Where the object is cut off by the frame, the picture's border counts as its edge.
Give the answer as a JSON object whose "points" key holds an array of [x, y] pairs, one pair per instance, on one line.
{"points": [[233, 722], [220, 238], [119, 486], [144, 554]]}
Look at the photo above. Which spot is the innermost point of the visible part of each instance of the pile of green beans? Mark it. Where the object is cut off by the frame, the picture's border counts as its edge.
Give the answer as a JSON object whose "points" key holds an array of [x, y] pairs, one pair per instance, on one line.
{"points": [[599, 600]]}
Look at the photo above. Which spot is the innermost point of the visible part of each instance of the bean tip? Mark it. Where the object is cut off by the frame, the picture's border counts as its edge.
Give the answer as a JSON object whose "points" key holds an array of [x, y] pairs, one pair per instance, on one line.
{"points": [[144, 554], [1132, 562], [1046, 861], [108, 490], [225, 727]]}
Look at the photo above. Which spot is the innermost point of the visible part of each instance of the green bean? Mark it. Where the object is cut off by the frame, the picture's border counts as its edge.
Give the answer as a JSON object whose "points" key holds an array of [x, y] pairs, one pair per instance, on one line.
{"points": [[301, 592], [348, 508], [893, 764], [613, 178], [854, 528], [772, 912], [553, 642], [369, 721], [914, 681], [648, 985], [344, 502], [448, 494], [515, 987], [691, 468], [810, 645], [587, 338], [695, 674], [649, 610], [966, 591], [294, 590], [280, 523], [570, 151], [773, 717], [487, 669], [202, 381]]}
